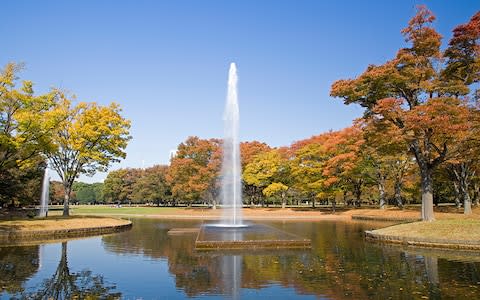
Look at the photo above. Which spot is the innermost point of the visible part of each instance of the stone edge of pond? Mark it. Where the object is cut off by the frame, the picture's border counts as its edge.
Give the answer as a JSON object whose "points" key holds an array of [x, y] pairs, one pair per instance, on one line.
{"points": [[422, 242], [384, 219], [14, 237]]}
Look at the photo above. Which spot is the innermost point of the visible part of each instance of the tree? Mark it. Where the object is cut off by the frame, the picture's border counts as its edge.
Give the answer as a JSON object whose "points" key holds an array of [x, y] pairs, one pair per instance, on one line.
{"points": [[87, 192], [152, 185], [307, 161], [265, 169], [26, 122], [388, 153], [276, 188], [89, 139], [113, 186], [248, 152], [194, 169], [408, 91], [346, 166]]}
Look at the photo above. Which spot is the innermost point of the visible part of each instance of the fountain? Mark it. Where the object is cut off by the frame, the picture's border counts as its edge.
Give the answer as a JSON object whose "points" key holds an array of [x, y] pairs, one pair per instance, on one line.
{"points": [[232, 232], [231, 169], [45, 194]]}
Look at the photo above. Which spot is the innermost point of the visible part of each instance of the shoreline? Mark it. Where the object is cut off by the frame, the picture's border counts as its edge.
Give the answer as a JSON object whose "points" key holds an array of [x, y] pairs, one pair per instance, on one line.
{"points": [[397, 216], [387, 234], [26, 231]]}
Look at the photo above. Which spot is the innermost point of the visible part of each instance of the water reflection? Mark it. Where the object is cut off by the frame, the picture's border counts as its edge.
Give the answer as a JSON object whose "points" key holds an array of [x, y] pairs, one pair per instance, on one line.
{"points": [[72, 285], [232, 275], [340, 265], [17, 264], [148, 263]]}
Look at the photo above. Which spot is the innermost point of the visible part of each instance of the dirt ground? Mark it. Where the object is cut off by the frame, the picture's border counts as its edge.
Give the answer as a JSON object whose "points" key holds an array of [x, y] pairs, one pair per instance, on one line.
{"points": [[59, 223]]}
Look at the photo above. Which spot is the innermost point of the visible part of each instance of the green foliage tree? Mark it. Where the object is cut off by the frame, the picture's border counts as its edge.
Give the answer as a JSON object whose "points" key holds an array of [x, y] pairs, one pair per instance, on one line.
{"points": [[113, 187], [88, 192], [152, 185]]}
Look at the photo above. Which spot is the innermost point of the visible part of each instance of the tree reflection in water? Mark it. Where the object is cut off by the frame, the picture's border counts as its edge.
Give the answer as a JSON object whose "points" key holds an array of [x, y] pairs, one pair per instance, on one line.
{"points": [[17, 264], [340, 265], [73, 285]]}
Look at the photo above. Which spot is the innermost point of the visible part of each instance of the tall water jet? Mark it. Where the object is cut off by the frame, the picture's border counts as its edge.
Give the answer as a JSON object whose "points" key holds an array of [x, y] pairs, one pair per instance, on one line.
{"points": [[45, 194], [231, 169], [231, 233]]}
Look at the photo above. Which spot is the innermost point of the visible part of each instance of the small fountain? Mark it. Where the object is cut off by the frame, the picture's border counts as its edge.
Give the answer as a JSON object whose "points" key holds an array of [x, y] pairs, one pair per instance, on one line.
{"points": [[45, 194], [232, 232]]}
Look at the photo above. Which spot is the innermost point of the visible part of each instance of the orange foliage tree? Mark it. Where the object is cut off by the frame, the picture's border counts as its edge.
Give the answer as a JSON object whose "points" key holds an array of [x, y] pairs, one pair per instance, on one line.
{"points": [[418, 93], [194, 170]]}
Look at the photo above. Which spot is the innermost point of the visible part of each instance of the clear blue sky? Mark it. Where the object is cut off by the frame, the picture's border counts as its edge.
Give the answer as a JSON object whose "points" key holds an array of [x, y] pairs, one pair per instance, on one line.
{"points": [[166, 62]]}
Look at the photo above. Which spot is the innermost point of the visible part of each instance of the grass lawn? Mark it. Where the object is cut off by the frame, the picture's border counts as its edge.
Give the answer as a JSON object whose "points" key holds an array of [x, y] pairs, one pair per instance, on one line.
{"points": [[130, 210], [458, 229]]}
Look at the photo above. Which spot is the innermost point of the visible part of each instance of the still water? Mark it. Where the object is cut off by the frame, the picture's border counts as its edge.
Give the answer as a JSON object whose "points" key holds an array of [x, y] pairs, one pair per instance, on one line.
{"points": [[148, 263]]}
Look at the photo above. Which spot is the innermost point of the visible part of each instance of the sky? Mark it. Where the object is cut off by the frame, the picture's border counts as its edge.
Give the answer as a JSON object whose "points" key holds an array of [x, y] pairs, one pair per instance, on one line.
{"points": [[166, 62]]}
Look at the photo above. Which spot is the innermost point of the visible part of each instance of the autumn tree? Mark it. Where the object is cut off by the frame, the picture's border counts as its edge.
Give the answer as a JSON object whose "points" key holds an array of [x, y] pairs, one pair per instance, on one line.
{"points": [[194, 169], [409, 92], [269, 172], [152, 185], [89, 139], [26, 123], [277, 189], [386, 151], [248, 152], [346, 167], [307, 162]]}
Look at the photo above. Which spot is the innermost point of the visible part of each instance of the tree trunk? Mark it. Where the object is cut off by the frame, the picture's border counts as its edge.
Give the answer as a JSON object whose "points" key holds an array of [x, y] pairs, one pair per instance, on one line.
{"points": [[457, 194], [431, 268], [398, 193], [357, 190], [66, 201], [427, 194], [476, 193], [467, 204], [381, 191], [464, 174], [284, 203], [214, 203]]}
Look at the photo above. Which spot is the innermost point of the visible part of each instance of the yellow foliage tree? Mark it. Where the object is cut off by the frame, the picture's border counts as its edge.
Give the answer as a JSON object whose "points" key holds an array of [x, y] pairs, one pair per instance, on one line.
{"points": [[89, 139]]}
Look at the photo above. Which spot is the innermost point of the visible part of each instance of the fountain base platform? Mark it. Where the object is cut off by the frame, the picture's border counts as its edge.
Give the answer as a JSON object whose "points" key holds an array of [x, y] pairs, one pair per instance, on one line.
{"points": [[251, 237]]}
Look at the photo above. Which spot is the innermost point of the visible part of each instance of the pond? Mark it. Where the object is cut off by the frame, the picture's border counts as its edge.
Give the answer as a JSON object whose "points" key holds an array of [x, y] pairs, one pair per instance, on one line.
{"points": [[148, 263]]}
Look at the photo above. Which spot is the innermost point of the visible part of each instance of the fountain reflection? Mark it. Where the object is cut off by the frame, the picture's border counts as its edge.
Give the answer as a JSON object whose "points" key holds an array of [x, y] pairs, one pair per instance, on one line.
{"points": [[232, 275], [339, 266]]}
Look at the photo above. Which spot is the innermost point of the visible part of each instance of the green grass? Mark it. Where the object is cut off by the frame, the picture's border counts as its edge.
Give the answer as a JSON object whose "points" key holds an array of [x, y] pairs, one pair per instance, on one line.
{"points": [[461, 229], [130, 210]]}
